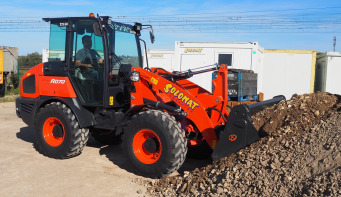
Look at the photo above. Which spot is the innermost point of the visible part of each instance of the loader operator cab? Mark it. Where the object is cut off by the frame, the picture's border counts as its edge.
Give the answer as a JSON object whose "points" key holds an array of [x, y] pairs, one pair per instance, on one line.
{"points": [[97, 70]]}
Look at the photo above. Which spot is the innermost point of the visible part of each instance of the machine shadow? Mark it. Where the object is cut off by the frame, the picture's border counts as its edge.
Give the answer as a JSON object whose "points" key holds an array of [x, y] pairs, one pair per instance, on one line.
{"points": [[112, 152], [27, 134], [115, 155]]}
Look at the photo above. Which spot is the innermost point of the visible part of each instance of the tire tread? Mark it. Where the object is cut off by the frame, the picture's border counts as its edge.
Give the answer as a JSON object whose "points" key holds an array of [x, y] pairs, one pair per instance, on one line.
{"points": [[175, 133], [79, 135]]}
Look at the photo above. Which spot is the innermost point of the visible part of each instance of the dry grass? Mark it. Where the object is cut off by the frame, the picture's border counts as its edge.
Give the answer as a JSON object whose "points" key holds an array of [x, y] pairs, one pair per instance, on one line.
{"points": [[10, 95], [9, 98]]}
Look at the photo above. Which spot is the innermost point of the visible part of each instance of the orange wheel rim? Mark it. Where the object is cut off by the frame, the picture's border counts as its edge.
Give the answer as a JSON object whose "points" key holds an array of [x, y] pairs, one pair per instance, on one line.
{"points": [[48, 133], [140, 150]]}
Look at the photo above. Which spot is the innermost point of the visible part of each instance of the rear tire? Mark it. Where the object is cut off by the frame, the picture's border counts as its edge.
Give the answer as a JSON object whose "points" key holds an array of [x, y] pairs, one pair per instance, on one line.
{"points": [[3, 87], [106, 137], [167, 140], [58, 133]]}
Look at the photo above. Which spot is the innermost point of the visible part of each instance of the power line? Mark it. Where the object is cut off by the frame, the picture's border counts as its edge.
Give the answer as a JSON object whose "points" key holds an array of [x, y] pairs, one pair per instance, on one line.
{"points": [[327, 21], [252, 11]]}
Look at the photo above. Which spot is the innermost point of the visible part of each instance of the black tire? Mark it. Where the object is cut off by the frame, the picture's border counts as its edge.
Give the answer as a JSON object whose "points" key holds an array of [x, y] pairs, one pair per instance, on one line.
{"points": [[3, 88], [74, 138], [170, 136], [106, 137], [200, 151]]}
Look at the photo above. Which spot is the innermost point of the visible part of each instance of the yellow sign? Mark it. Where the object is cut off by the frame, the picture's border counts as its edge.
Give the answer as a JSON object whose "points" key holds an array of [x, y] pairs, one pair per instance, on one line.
{"points": [[154, 81], [214, 143], [193, 50], [156, 55], [180, 96], [111, 100]]}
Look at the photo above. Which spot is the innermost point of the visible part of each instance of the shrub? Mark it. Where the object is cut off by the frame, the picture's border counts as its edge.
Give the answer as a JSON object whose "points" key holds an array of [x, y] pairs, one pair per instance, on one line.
{"points": [[14, 80]]}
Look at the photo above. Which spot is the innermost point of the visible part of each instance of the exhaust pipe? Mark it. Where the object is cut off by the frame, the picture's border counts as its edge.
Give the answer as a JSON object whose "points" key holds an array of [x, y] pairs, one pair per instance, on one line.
{"points": [[239, 130]]}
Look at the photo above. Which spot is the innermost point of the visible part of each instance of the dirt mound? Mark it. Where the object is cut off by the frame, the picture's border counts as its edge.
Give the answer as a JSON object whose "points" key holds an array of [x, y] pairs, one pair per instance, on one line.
{"points": [[326, 184], [300, 113], [297, 146]]}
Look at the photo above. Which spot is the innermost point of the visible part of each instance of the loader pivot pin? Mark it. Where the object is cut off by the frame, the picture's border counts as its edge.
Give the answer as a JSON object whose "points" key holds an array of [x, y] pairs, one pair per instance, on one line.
{"points": [[232, 137]]}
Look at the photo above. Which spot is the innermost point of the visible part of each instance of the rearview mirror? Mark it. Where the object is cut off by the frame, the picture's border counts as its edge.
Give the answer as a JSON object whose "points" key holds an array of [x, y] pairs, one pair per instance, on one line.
{"points": [[152, 37], [97, 29]]}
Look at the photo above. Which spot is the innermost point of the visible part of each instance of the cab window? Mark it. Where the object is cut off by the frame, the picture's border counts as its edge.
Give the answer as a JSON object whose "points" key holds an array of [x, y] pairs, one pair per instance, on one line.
{"points": [[123, 44]]}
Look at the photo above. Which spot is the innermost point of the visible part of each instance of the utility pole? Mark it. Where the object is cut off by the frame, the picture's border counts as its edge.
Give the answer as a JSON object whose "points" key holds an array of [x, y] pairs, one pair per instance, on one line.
{"points": [[334, 43]]}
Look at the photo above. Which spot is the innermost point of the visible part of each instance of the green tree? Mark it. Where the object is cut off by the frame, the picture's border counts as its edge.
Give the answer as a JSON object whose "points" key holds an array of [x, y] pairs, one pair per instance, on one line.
{"points": [[30, 59]]}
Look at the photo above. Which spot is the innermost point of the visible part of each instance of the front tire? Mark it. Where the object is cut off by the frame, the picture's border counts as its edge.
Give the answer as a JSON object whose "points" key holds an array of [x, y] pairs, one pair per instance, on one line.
{"points": [[154, 144], [58, 133]]}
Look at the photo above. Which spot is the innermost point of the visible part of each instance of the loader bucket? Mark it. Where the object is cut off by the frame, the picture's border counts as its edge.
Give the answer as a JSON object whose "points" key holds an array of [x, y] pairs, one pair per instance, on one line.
{"points": [[239, 130]]}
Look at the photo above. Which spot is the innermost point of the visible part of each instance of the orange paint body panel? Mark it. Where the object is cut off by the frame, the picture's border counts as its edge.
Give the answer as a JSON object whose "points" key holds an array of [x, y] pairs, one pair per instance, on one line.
{"points": [[193, 99], [37, 71], [48, 85], [56, 86]]}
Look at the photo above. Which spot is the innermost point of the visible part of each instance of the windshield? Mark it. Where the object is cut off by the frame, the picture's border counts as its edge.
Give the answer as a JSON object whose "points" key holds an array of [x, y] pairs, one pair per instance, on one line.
{"points": [[123, 43]]}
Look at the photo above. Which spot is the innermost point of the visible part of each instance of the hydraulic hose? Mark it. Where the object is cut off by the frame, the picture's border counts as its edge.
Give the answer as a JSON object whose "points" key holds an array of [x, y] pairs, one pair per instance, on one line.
{"points": [[163, 70], [215, 109]]}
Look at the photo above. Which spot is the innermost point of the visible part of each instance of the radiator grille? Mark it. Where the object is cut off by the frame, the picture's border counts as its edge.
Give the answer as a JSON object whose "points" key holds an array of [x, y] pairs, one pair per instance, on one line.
{"points": [[26, 107]]}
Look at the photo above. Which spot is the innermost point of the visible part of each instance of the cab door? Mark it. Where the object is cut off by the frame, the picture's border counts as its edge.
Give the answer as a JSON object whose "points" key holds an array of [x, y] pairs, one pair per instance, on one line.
{"points": [[125, 53], [86, 62]]}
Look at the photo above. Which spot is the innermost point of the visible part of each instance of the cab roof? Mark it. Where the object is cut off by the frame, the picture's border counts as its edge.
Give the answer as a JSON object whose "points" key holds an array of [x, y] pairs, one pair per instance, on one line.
{"points": [[74, 18]]}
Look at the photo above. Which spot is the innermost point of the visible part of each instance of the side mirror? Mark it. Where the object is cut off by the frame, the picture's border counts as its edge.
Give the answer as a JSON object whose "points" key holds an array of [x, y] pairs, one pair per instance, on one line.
{"points": [[152, 37]]}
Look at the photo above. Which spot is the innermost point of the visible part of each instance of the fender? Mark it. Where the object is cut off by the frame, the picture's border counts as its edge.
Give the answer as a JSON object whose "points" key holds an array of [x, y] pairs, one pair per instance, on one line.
{"points": [[130, 113], [27, 109]]}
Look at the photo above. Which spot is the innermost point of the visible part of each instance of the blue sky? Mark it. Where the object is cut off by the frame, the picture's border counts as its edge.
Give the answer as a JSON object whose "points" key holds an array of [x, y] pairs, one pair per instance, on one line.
{"points": [[29, 42]]}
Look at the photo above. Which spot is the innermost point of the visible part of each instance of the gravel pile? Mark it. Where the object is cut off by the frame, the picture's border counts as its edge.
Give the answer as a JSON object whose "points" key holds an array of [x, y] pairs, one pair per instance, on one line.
{"points": [[298, 155]]}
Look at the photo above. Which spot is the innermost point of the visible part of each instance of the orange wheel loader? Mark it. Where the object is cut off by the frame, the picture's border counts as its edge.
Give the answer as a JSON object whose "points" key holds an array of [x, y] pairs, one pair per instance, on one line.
{"points": [[94, 83]]}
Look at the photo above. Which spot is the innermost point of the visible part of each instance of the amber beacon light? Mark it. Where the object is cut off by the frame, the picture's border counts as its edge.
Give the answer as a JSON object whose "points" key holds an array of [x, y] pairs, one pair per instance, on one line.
{"points": [[91, 15]]}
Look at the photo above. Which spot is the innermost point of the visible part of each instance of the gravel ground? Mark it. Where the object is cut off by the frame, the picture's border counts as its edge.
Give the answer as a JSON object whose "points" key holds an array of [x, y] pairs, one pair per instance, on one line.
{"points": [[299, 155]]}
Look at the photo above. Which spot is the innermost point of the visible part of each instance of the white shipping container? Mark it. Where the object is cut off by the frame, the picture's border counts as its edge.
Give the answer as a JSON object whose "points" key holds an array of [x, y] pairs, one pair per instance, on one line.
{"points": [[160, 58], [286, 72], [59, 55], [328, 70], [53, 55], [191, 55], [45, 56]]}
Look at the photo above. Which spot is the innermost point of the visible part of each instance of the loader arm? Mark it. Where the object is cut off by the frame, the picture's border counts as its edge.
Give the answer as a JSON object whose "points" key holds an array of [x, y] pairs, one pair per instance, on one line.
{"points": [[156, 88]]}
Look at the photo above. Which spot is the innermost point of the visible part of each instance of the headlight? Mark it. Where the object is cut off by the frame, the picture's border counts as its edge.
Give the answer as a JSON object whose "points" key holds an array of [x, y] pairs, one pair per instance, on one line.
{"points": [[134, 76]]}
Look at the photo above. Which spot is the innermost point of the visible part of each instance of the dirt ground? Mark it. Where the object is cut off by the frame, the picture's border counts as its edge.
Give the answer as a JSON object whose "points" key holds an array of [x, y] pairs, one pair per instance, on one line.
{"points": [[98, 171]]}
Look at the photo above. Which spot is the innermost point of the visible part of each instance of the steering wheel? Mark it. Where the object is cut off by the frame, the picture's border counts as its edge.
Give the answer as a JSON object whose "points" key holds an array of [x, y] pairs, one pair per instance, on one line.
{"points": [[89, 68], [85, 71]]}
